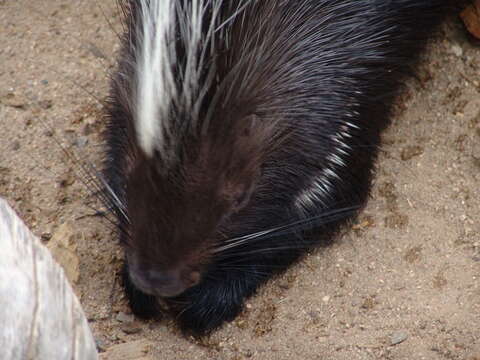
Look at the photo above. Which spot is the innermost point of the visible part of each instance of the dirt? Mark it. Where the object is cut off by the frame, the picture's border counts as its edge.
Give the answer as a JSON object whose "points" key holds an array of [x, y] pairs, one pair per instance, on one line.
{"points": [[403, 283]]}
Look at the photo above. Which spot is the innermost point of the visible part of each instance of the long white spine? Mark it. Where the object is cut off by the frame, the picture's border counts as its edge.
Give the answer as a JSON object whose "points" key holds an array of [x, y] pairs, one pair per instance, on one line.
{"points": [[157, 87], [155, 82]]}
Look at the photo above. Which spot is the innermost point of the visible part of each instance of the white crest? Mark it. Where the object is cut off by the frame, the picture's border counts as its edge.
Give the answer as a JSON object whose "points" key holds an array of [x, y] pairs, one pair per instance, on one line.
{"points": [[155, 83], [158, 88]]}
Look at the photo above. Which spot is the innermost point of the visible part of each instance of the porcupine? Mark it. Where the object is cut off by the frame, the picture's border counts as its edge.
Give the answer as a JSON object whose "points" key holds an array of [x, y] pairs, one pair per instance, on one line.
{"points": [[242, 134]]}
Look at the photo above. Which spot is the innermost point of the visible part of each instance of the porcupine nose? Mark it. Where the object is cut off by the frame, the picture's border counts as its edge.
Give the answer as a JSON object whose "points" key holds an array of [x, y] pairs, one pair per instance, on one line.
{"points": [[171, 282]]}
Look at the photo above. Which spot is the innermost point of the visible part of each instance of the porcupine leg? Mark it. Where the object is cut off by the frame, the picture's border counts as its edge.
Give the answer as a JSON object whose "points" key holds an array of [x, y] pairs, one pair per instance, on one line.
{"points": [[220, 297], [211, 304], [144, 306]]}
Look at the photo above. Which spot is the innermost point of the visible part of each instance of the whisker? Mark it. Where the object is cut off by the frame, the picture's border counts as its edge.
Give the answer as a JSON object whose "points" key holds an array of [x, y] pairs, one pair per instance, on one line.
{"points": [[81, 87], [300, 225], [109, 23], [94, 182]]}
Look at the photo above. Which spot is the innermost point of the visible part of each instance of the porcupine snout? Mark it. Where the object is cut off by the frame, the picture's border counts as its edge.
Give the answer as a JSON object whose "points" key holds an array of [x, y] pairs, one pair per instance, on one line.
{"points": [[163, 283]]}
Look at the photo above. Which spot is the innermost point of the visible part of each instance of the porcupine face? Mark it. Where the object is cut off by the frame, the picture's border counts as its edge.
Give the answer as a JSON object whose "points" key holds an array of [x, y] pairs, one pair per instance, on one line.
{"points": [[176, 217]]}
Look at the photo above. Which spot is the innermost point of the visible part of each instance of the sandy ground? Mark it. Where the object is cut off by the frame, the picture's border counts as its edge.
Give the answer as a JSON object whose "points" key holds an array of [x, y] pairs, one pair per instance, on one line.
{"points": [[404, 283]]}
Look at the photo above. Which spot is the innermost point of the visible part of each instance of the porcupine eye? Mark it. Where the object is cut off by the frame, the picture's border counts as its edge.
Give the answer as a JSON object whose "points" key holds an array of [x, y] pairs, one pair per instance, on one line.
{"points": [[239, 196], [240, 200]]}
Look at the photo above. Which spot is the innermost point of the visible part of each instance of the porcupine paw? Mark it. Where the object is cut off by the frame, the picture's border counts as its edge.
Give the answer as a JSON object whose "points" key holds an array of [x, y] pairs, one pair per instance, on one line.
{"points": [[204, 311], [144, 306]]}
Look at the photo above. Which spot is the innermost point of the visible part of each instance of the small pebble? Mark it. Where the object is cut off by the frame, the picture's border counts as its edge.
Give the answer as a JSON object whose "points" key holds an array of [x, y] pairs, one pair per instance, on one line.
{"points": [[131, 328], [129, 350], [398, 337], [315, 316], [45, 104], [13, 100], [96, 51], [101, 346], [87, 129], [81, 141], [125, 318], [410, 152], [66, 180], [457, 50], [248, 353]]}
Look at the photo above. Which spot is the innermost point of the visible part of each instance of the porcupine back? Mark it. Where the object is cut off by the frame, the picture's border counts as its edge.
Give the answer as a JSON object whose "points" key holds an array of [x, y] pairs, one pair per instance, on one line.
{"points": [[284, 98]]}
